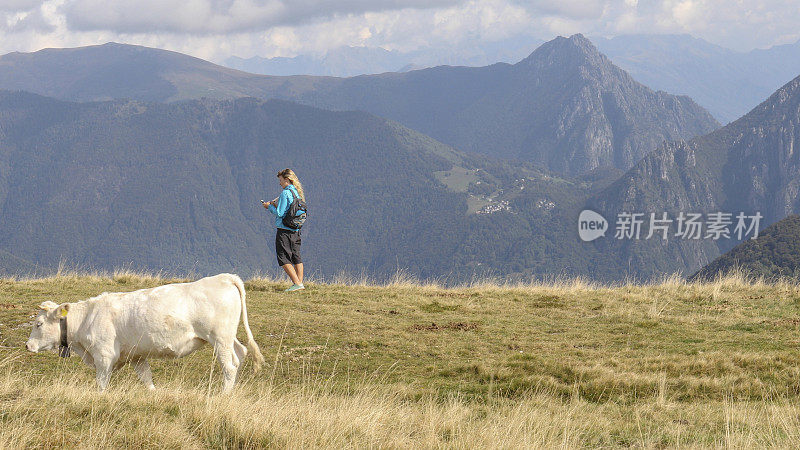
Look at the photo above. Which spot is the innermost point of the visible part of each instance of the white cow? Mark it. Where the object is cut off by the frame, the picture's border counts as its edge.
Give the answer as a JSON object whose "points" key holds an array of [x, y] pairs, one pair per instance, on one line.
{"points": [[168, 321]]}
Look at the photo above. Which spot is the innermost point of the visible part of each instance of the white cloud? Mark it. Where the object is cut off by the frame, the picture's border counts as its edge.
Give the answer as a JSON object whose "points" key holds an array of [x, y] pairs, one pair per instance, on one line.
{"points": [[567, 9], [219, 16], [685, 12], [19, 5], [216, 29]]}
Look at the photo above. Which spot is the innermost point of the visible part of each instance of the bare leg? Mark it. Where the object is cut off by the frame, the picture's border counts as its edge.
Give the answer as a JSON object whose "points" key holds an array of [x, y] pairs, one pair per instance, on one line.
{"points": [[142, 368], [298, 268], [289, 269]]}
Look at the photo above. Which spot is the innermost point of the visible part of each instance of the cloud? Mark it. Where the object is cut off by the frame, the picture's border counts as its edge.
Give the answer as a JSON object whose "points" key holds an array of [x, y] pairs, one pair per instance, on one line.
{"points": [[19, 5], [217, 29], [219, 16], [23, 16], [34, 20], [740, 25], [567, 9]]}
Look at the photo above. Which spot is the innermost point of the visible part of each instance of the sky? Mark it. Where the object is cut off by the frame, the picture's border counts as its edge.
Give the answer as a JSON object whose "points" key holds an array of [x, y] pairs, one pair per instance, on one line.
{"points": [[218, 29]]}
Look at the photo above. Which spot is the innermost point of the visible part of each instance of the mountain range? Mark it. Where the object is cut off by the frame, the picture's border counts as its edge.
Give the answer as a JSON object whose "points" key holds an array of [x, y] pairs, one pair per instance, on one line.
{"points": [[353, 61], [726, 82], [750, 166], [565, 107], [116, 169]]}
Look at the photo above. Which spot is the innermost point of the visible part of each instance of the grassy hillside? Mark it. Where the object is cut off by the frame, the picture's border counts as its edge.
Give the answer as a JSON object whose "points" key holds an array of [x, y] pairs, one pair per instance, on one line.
{"points": [[407, 365], [176, 187], [773, 255]]}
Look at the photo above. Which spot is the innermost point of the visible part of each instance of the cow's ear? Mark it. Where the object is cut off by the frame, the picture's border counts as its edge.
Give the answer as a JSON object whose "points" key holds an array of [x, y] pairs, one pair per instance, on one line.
{"points": [[48, 306], [62, 310]]}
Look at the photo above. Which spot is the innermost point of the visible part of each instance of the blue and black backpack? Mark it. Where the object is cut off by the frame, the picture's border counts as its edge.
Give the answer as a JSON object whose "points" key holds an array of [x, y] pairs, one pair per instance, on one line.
{"points": [[296, 214]]}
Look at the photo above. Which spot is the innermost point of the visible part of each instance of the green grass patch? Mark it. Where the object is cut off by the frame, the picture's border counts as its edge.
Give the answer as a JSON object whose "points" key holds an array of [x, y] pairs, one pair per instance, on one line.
{"points": [[624, 348]]}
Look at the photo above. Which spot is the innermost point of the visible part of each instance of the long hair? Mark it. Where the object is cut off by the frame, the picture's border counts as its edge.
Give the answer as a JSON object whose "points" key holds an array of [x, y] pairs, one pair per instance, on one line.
{"points": [[290, 175]]}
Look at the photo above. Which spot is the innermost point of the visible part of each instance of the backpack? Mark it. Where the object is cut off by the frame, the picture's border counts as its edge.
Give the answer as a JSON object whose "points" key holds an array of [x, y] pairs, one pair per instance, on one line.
{"points": [[295, 215]]}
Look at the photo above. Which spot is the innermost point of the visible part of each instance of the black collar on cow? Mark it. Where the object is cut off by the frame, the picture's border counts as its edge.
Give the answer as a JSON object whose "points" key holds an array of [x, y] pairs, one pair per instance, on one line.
{"points": [[63, 348]]}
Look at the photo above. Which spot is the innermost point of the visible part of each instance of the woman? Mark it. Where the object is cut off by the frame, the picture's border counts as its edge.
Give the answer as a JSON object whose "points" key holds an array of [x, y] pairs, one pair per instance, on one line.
{"points": [[287, 240]]}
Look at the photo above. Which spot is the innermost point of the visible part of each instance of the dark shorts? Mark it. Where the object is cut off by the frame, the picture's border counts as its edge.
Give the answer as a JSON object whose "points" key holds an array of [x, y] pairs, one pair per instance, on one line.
{"points": [[287, 247]]}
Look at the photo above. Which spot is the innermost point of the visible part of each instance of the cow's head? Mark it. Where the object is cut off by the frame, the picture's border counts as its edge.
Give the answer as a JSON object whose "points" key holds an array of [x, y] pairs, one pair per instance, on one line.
{"points": [[46, 332]]}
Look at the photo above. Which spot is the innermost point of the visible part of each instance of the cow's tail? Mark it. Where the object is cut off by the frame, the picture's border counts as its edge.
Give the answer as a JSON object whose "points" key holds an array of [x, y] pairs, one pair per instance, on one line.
{"points": [[251, 343]]}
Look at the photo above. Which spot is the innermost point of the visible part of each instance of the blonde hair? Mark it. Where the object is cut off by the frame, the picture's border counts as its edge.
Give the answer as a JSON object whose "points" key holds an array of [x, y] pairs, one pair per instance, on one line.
{"points": [[290, 175]]}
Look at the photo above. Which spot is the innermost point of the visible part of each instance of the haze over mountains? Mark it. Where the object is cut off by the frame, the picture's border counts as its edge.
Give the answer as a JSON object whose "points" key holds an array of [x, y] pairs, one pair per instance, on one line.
{"points": [[353, 61], [565, 107], [725, 82]]}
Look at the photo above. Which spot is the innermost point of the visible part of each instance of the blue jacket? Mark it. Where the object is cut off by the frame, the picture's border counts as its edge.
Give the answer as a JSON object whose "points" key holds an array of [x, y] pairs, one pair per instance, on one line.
{"points": [[286, 198]]}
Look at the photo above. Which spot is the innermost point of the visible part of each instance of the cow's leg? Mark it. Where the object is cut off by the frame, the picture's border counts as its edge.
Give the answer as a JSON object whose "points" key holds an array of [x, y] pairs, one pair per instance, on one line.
{"points": [[104, 366], [105, 358], [239, 353], [142, 368], [225, 358]]}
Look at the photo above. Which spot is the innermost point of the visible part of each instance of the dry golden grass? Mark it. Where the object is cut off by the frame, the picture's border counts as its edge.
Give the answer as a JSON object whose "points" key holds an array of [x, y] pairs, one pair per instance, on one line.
{"points": [[352, 363], [65, 412]]}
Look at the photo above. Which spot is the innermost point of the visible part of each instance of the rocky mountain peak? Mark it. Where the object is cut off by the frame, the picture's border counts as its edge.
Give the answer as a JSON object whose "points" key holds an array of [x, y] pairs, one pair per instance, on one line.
{"points": [[574, 51], [788, 96], [750, 166]]}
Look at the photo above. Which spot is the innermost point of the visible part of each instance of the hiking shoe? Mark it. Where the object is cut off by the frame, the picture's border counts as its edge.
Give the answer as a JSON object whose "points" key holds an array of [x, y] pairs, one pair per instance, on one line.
{"points": [[295, 287]]}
